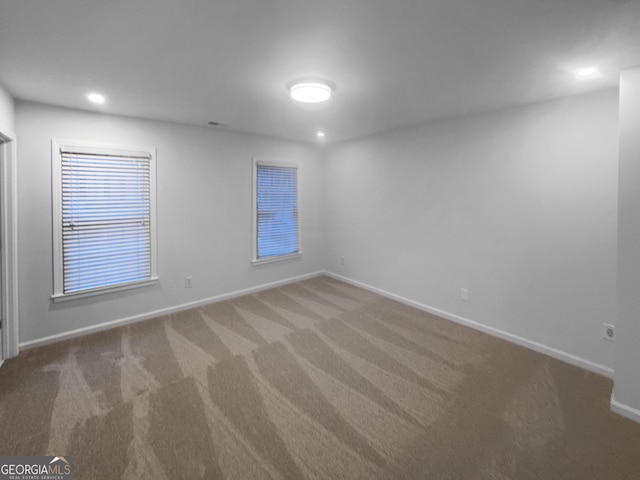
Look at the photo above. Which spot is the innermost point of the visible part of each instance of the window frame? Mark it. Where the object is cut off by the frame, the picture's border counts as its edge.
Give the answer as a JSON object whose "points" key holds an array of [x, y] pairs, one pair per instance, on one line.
{"points": [[254, 207], [57, 147]]}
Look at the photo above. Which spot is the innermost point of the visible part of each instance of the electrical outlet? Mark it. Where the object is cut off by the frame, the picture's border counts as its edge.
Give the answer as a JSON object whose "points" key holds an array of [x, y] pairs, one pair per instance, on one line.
{"points": [[609, 332], [187, 281], [464, 294]]}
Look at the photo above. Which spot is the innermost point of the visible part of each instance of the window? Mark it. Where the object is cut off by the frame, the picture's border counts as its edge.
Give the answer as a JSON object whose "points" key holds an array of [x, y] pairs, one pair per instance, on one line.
{"points": [[275, 211], [103, 218]]}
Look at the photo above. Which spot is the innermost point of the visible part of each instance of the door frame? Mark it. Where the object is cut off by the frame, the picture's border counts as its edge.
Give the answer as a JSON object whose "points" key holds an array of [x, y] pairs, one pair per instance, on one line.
{"points": [[9, 242]]}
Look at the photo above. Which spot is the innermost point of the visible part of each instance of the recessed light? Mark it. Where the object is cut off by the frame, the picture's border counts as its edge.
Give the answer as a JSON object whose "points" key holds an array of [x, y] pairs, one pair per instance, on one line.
{"points": [[587, 73], [320, 134], [309, 92], [96, 98]]}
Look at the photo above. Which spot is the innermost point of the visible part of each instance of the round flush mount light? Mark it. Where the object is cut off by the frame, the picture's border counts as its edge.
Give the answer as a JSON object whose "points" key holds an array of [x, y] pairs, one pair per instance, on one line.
{"points": [[320, 134], [588, 73], [310, 92], [96, 98]]}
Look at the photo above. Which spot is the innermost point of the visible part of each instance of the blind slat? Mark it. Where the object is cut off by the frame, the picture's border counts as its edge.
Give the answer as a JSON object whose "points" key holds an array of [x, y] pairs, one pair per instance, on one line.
{"points": [[277, 210], [106, 216]]}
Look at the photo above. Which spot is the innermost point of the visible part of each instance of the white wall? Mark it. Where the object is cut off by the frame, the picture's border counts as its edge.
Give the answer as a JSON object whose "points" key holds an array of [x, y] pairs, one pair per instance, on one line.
{"points": [[627, 377], [518, 206], [204, 215], [6, 111]]}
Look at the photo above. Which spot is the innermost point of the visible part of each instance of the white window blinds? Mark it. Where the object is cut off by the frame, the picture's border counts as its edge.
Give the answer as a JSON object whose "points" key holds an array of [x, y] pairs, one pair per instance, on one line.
{"points": [[106, 206], [277, 210]]}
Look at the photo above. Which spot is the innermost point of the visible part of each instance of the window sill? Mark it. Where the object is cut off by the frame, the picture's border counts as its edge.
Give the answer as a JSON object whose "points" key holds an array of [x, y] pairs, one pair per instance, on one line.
{"points": [[280, 258], [65, 297]]}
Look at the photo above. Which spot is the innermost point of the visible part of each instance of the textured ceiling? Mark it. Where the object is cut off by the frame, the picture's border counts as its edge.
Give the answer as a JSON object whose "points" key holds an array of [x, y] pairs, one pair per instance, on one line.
{"points": [[394, 63]]}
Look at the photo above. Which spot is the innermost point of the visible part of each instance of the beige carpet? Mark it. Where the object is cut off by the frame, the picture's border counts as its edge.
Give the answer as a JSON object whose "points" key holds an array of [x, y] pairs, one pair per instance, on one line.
{"points": [[315, 380]]}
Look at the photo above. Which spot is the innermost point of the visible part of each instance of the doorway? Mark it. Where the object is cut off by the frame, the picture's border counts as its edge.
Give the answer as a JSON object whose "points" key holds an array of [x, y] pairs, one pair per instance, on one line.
{"points": [[8, 247]]}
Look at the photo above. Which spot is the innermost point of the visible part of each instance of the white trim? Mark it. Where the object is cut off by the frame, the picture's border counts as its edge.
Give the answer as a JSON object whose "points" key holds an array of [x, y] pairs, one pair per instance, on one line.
{"points": [[57, 148], [538, 347], [254, 209], [9, 239], [624, 410], [255, 261], [92, 292], [165, 311], [279, 258]]}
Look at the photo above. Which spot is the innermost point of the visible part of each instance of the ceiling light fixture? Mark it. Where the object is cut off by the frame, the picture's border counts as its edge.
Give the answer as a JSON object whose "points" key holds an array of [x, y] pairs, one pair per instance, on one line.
{"points": [[587, 73], [309, 92], [320, 134], [96, 98]]}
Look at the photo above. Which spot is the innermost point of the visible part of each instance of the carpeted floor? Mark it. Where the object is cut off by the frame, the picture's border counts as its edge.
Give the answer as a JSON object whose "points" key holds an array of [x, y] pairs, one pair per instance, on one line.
{"points": [[317, 380]]}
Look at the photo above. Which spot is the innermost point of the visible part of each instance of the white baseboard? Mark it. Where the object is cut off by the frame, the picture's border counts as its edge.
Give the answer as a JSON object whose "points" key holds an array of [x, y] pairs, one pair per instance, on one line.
{"points": [[538, 347], [624, 410], [164, 311]]}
